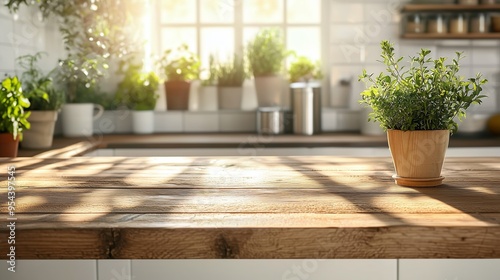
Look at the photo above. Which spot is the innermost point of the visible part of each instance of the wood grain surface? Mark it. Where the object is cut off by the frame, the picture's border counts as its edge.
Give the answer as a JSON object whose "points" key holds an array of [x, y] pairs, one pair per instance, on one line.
{"points": [[249, 207]]}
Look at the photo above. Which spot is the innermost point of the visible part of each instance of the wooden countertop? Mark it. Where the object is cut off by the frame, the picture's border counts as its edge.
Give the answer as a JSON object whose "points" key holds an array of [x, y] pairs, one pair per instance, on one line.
{"points": [[69, 147], [248, 207]]}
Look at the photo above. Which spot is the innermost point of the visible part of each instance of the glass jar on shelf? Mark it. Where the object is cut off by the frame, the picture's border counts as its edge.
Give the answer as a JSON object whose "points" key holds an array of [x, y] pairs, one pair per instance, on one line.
{"points": [[437, 24], [479, 23], [415, 24], [459, 24]]}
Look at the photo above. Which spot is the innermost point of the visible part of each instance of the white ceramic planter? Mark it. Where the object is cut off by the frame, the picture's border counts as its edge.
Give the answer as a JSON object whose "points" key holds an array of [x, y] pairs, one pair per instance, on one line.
{"points": [[269, 90], [78, 118], [207, 98], [41, 133], [143, 122], [230, 98]]}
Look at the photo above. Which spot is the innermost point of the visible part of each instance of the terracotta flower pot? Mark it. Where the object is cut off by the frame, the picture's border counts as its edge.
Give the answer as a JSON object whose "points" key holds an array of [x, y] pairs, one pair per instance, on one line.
{"points": [[177, 95], [418, 156], [8, 146]]}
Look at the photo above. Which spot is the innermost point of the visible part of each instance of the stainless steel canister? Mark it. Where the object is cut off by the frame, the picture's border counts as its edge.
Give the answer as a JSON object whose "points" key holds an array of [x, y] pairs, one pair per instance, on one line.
{"points": [[273, 120], [306, 106]]}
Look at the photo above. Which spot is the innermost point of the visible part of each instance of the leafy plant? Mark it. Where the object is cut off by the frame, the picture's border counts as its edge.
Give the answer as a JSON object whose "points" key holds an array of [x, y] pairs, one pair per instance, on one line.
{"points": [[137, 90], [232, 73], [426, 96], [93, 94], [93, 31], [180, 64], [12, 107], [39, 88], [303, 69], [212, 73], [266, 52]]}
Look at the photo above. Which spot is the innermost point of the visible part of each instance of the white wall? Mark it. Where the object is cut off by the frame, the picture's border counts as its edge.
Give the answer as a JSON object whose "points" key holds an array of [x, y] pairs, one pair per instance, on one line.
{"points": [[27, 34], [358, 26]]}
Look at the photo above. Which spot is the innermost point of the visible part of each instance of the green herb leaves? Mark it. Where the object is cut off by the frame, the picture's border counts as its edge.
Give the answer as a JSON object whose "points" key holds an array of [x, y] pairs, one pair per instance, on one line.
{"points": [[426, 96]]}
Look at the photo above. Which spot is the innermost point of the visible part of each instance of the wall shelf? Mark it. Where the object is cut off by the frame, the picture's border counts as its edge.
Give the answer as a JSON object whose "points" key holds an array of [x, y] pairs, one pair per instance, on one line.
{"points": [[448, 9]]}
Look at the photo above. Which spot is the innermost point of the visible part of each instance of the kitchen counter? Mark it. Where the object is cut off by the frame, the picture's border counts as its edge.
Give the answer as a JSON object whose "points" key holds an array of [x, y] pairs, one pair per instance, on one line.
{"points": [[248, 207], [69, 147]]}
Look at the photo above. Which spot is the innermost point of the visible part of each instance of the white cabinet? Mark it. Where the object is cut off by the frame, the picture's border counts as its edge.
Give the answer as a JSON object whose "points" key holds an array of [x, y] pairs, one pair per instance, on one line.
{"points": [[264, 269], [449, 269], [50, 270], [113, 270]]}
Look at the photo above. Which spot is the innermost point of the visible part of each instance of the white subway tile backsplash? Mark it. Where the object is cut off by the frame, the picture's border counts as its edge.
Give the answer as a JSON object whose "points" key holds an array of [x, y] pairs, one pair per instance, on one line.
{"points": [[486, 56], [346, 13], [382, 13], [7, 58], [201, 122], [347, 33], [169, 121], [7, 30], [238, 121]]}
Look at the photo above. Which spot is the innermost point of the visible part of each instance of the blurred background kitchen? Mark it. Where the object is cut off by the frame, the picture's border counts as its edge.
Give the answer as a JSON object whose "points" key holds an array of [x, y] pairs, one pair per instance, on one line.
{"points": [[343, 36]]}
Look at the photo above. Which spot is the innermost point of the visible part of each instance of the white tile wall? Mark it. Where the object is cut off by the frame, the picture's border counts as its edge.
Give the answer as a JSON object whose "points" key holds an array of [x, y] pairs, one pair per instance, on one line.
{"points": [[201, 122], [237, 121], [358, 26], [449, 269], [169, 121]]}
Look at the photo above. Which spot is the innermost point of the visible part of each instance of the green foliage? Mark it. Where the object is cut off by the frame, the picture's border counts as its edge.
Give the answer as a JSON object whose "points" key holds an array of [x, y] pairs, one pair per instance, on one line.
{"points": [[93, 32], [14, 118], [93, 94], [180, 64], [303, 69], [266, 52], [39, 88], [232, 73], [212, 73], [426, 96], [137, 90]]}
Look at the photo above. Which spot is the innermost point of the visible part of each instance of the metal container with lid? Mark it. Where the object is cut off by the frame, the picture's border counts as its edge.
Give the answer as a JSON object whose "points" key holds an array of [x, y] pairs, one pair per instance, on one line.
{"points": [[306, 107], [273, 120]]}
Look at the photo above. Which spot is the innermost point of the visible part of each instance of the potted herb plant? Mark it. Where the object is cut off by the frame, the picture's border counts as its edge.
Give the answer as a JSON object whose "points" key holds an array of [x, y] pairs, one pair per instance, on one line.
{"points": [[302, 69], [45, 102], [180, 67], [230, 78], [208, 90], [417, 106], [266, 53], [137, 91], [14, 117]]}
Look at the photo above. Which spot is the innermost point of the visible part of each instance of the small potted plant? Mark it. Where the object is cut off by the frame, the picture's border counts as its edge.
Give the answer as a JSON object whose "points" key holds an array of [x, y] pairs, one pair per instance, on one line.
{"points": [[417, 106], [14, 117], [302, 69], [45, 102], [230, 78], [208, 90], [179, 67], [137, 91], [266, 53]]}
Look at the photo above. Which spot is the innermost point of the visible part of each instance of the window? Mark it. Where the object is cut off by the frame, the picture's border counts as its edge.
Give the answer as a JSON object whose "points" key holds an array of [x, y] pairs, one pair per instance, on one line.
{"points": [[223, 27]]}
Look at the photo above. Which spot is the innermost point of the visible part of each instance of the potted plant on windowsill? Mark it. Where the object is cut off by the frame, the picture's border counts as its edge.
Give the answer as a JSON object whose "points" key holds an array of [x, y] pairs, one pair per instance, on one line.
{"points": [[180, 67], [266, 53], [230, 78], [302, 69], [45, 102], [137, 91], [13, 116], [417, 106], [207, 98]]}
